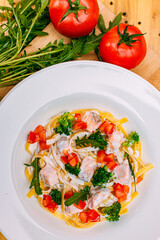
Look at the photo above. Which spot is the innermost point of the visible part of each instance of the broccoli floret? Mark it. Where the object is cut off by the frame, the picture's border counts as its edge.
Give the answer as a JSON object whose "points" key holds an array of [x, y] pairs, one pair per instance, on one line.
{"points": [[101, 176], [132, 138], [73, 170], [112, 212], [56, 196], [66, 122]]}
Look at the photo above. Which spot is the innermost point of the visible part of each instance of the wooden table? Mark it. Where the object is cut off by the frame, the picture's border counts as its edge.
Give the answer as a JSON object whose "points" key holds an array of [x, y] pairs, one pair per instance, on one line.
{"points": [[134, 12]]}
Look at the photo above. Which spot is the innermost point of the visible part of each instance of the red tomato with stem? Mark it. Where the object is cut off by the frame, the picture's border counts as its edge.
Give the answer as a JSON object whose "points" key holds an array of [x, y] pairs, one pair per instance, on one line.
{"points": [[124, 45], [74, 18]]}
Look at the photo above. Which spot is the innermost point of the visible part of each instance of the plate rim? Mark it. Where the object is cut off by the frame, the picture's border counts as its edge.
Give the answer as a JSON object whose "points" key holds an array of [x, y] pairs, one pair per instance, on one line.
{"points": [[77, 62]]}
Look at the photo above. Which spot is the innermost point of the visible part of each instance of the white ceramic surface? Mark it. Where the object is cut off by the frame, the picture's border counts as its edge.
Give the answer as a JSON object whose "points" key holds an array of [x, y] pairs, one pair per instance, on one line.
{"points": [[80, 84]]}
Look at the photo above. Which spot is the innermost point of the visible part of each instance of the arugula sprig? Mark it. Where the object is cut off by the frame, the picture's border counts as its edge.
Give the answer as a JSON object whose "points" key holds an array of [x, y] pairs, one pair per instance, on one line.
{"points": [[23, 24], [82, 195], [35, 180], [96, 140], [126, 155], [112, 212], [66, 122], [101, 176], [24, 21], [132, 138]]}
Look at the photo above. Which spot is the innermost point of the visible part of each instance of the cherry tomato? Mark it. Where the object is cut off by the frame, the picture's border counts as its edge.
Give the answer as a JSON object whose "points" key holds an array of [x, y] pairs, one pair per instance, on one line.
{"points": [[123, 45], [74, 18]]}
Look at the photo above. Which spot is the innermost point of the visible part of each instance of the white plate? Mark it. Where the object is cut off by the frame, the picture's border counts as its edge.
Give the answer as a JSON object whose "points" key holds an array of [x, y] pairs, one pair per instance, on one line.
{"points": [[68, 86]]}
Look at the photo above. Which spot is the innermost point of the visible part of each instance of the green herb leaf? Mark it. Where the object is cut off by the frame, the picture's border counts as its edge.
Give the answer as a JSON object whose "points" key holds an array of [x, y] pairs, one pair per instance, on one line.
{"points": [[112, 212], [66, 122], [73, 170], [56, 196], [96, 140], [82, 195], [35, 180], [132, 138], [101, 176], [115, 22], [131, 168], [101, 24]]}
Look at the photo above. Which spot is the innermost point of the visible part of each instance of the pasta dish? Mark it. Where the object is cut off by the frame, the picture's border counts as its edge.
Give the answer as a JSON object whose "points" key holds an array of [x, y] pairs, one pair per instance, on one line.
{"points": [[84, 167]]}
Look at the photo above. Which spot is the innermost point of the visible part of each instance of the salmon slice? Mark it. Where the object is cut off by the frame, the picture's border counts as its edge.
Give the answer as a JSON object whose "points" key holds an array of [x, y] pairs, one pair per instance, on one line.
{"points": [[115, 140], [88, 167], [49, 175], [98, 197], [122, 173], [93, 121]]}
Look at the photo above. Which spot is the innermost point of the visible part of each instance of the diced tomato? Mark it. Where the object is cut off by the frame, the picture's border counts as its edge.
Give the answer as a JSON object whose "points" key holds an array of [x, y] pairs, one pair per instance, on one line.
{"points": [[43, 146], [71, 155], [64, 159], [78, 117], [81, 204], [42, 136], [49, 203], [33, 137], [139, 179], [109, 128], [123, 198], [101, 156], [52, 204], [103, 126], [126, 188], [80, 125], [111, 164], [73, 159], [121, 191], [39, 129], [118, 186], [109, 157], [83, 217], [73, 162], [93, 216], [106, 127], [68, 194], [46, 200]]}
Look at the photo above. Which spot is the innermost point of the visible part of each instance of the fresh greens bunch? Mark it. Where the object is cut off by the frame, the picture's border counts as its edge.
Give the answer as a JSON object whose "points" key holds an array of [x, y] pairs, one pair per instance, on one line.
{"points": [[96, 140], [112, 212], [66, 122], [25, 21], [56, 196], [101, 176], [73, 170]]}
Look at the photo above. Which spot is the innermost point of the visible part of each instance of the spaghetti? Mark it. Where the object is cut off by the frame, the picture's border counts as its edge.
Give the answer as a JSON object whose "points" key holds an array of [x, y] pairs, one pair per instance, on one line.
{"points": [[84, 167]]}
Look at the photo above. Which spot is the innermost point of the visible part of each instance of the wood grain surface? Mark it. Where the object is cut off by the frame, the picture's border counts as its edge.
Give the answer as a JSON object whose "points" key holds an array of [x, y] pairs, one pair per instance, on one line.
{"points": [[145, 11]]}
